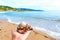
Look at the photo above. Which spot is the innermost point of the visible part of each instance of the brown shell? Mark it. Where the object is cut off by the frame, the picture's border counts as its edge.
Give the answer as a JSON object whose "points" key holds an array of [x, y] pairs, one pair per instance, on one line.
{"points": [[25, 29]]}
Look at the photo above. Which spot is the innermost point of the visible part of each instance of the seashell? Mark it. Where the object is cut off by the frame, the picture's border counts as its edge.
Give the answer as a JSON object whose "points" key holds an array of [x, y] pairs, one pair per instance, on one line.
{"points": [[23, 27]]}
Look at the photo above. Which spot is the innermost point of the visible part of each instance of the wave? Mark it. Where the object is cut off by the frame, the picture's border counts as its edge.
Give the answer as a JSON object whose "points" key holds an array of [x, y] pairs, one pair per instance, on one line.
{"points": [[51, 33], [10, 20]]}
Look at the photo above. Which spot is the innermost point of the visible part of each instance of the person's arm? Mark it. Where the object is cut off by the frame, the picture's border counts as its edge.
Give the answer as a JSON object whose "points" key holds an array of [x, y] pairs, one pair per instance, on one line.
{"points": [[18, 36]]}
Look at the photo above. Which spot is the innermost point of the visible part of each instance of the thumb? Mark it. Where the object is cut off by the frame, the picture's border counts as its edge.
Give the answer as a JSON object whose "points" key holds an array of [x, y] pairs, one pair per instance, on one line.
{"points": [[25, 35]]}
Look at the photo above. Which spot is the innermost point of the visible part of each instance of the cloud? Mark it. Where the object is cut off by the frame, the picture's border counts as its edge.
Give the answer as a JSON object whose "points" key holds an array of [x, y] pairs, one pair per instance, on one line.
{"points": [[34, 4]]}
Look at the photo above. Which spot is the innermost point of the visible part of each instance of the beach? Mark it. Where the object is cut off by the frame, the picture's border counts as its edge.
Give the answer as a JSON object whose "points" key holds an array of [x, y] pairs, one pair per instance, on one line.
{"points": [[6, 28], [43, 16]]}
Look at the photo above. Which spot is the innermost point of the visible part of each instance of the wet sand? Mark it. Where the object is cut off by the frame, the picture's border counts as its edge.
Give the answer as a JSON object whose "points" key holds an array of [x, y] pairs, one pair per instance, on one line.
{"points": [[5, 32]]}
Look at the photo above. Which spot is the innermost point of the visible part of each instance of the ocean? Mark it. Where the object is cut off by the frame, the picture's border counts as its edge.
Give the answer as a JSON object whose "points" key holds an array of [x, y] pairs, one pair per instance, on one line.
{"points": [[46, 21]]}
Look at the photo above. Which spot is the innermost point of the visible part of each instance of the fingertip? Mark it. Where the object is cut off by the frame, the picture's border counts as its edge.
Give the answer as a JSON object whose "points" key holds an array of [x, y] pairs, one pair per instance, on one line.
{"points": [[27, 32]]}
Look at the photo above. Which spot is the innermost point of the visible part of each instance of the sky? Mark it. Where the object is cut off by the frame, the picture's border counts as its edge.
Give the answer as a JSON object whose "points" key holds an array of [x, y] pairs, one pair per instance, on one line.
{"points": [[33, 4]]}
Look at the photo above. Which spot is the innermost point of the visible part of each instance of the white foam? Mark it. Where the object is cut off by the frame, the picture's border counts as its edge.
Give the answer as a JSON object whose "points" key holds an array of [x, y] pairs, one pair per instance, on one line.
{"points": [[51, 33], [10, 20]]}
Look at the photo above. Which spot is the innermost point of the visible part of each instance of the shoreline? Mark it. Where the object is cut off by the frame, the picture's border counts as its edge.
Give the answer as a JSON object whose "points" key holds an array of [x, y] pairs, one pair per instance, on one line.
{"points": [[5, 32], [9, 11], [3, 11], [53, 34]]}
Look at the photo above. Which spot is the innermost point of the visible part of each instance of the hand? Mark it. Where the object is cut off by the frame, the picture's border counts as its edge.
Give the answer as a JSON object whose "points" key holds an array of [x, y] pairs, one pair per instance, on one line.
{"points": [[18, 36]]}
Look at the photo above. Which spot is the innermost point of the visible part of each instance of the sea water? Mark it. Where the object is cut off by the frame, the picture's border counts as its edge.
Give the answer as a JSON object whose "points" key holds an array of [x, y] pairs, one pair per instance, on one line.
{"points": [[46, 21]]}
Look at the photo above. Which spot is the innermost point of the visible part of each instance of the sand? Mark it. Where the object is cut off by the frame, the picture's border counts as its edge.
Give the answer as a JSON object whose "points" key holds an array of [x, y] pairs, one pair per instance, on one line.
{"points": [[6, 27]]}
